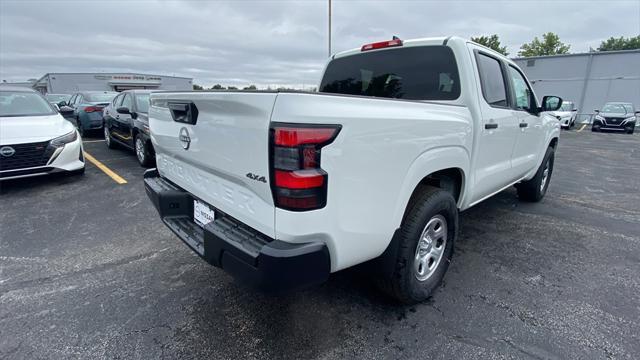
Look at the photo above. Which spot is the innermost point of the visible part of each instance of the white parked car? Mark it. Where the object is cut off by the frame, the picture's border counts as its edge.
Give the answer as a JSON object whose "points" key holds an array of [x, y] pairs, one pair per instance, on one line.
{"points": [[566, 115], [280, 189], [34, 138]]}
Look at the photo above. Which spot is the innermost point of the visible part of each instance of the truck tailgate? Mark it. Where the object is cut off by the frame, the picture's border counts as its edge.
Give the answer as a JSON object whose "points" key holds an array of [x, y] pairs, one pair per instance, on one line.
{"points": [[222, 158]]}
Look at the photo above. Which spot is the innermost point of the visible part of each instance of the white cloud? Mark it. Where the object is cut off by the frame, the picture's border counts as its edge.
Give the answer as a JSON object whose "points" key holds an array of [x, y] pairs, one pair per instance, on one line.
{"points": [[269, 42]]}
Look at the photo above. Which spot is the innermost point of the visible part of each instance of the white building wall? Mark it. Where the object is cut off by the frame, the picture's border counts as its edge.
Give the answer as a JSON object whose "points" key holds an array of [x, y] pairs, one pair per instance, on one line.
{"points": [[589, 80]]}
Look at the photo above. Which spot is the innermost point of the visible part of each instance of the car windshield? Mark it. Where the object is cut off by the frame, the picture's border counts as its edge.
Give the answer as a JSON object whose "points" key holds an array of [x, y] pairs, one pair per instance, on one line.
{"points": [[142, 103], [413, 73], [22, 103], [56, 98], [100, 97], [566, 106], [616, 108]]}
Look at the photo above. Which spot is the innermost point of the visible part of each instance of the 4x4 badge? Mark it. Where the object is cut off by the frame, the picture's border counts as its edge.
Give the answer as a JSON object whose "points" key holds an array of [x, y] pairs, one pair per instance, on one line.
{"points": [[256, 177]]}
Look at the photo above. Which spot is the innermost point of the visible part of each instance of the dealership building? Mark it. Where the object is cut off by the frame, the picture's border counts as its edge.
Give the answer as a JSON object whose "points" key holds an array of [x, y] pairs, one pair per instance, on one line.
{"points": [[588, 80], [67, 83]]}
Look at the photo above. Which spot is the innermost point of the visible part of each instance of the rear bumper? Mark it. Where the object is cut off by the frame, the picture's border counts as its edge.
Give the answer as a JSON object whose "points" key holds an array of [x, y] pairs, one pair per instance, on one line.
{"points": [[248, 255]]}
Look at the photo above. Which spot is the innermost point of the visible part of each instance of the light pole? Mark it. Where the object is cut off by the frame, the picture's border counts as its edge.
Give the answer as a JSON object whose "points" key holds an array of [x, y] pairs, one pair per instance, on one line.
{"points": [[329, 28]]}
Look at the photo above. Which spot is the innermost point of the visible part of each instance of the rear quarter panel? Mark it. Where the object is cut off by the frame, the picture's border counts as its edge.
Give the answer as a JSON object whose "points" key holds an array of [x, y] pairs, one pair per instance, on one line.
{"points": [[384, 149]]}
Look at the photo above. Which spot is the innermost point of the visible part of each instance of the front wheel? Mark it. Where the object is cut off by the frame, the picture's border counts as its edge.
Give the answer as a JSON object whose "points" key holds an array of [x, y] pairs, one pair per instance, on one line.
{"points": [[142, 152], [424, 247], [107, 137], [534, 190]]}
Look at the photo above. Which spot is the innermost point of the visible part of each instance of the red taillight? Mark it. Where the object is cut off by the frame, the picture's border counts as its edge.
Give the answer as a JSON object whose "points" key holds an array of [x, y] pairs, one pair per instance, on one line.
{"points": [[298, 183], [304, 179], [92, 109], [298, 136], [382, 44]]}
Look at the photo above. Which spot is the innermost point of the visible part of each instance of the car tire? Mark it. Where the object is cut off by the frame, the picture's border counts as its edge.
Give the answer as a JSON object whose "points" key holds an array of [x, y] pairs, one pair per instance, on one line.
{"points": [[593, 129], [80, 128], [422, 247], [534, 190], [107, 138], [142, 151], [630, 131]]}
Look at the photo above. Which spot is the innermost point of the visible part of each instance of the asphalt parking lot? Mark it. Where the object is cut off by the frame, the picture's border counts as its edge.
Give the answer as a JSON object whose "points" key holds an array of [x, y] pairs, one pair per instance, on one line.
{"points": [[87, 270]]}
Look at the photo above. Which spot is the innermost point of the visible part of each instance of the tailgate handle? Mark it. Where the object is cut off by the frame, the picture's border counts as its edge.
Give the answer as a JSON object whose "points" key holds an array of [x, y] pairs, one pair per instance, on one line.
{"points": [[183, 112]]}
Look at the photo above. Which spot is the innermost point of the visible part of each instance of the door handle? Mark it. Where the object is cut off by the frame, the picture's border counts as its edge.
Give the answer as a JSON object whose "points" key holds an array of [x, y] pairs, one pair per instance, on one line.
{"points": [[491, 126], [523, 125]]}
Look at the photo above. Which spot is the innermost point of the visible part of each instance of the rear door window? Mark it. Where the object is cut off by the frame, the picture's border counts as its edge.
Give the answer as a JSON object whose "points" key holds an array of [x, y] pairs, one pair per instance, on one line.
{"points": [[411, 73], [492, 81]]}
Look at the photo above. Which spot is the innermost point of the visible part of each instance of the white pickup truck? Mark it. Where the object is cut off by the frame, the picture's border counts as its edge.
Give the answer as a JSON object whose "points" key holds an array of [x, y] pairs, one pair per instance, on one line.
{"points": [[280, 189]]}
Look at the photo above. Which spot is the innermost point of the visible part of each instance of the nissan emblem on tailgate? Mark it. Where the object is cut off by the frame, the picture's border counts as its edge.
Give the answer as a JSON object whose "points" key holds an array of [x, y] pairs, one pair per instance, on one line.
{"points": [[184, 138]]}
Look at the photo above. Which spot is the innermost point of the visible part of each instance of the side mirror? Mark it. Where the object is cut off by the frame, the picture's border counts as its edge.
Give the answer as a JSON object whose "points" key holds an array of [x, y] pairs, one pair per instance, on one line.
{"points": [[62, 103], [637, 112], [596, 111], [551, 103], [123, 110], [65, 111]]}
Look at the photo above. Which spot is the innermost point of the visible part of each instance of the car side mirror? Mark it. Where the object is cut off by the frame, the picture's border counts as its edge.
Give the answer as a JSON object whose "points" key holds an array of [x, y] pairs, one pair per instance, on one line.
{"points": [[637, 112], [62, 103], [551, 103], [65, 111], [123, 110], [596, 111]]}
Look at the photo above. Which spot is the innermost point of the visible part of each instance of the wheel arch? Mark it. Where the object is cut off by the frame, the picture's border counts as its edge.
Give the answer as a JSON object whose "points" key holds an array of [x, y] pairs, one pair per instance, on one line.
{"points": [[446, 168]]}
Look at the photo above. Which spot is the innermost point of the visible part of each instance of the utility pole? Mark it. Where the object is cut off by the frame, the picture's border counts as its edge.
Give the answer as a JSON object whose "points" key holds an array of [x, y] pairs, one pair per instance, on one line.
{"points": [[329, 28]]}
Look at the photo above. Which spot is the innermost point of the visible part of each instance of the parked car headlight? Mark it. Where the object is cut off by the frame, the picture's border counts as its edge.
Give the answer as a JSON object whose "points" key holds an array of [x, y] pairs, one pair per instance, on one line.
{"points": [[598, 117], [60, 141], [631, 118]]}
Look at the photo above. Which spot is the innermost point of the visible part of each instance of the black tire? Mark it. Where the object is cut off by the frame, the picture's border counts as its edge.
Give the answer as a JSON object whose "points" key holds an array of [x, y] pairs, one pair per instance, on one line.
{"points": [[534, 190], [107, 137], [402, 282], [144, 156], [593, 129], [631, 131], [80, 128]]}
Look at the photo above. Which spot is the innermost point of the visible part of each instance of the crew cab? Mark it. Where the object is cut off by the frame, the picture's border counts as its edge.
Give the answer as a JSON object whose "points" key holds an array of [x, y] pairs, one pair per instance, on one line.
{"points": [[280, 189]]}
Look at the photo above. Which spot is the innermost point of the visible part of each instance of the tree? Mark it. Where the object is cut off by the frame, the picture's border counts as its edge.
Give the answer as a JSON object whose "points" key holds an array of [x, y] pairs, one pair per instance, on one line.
{"points": [[217, 87], [620, 43], [250, 87], [232, 88], [197, 87], [492, 42], [550, 45]]}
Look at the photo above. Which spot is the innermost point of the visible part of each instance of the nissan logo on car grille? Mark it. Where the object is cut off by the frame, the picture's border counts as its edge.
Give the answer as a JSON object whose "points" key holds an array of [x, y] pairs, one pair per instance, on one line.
{"points": [[184, 138], [7, 151]]}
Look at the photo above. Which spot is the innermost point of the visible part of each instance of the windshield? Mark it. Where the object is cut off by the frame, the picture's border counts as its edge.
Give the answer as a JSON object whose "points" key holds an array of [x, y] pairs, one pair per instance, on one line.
{"points": [[413, 73], [566, 106], [21, 103], [56, 98], [616, 108], [142, 103], [100, 97]]}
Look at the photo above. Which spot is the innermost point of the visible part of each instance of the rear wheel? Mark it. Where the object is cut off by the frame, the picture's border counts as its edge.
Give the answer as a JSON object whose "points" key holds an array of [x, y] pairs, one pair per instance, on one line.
{"points": [[534, 190], [424, 247]]}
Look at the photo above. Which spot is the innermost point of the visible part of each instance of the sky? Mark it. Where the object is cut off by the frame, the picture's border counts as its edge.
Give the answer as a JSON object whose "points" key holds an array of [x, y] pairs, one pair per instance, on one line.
{"points": [[270, 43]]}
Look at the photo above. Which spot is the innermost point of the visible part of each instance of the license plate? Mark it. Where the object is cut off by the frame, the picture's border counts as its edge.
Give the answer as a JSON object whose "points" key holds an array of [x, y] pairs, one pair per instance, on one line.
{"points": [[202, 213]]}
